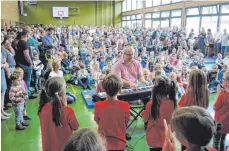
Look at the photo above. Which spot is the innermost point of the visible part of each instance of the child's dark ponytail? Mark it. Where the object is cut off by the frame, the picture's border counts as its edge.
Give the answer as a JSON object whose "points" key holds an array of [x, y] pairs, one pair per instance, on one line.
{"points": [[173, 92], [155, 108], [43, 97], [56, 110], [162, 88], [43, 100]]}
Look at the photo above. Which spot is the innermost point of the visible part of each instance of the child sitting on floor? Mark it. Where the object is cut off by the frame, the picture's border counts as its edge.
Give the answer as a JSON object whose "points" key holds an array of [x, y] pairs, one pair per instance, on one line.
{"points": [[56, 70], [219, 60], [99, 87], [221, 73], [83, 77], [212, 78], [146, 74], [180, 88]]}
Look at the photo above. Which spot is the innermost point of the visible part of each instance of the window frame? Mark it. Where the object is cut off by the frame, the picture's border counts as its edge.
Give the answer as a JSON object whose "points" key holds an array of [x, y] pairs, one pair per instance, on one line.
{"points": [[166, 3], [156, 12], [201, 10], [177, 2], [150, 15], [175, 16], [150, 23], [122, 5], [186, 10], [157, 5], [132, 5], [149, 6], [164, 12], [220, 9]]}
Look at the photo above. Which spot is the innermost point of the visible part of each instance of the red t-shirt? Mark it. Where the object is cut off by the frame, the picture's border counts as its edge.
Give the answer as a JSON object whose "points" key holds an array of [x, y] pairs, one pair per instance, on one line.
{"points": [[209, 149], [173, 61], [221, 108], [182, 101], [155, 132], [112, 118], [53, 137]]}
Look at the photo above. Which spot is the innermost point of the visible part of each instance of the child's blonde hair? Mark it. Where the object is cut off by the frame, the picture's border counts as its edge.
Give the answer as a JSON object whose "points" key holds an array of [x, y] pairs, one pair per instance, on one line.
{"points": [[226, 76], [102, 76], [197, 89], [85, 140], [158, 67], [145, 71], [54, 64], [19, 70], [194, 68]]}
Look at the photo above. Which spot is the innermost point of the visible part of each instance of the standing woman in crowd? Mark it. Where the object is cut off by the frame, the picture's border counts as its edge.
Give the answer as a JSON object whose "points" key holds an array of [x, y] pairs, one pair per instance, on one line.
{"points": [[4, 66], [163, 99], [9, 53], [209, 44], [15, 41], [201, 40], [56, 119], [197, 90]]}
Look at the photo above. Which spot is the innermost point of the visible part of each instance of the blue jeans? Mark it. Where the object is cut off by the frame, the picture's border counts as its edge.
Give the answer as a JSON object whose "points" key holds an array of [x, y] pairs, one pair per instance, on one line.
{"points": [[70, 97], [217, 48], [37, 83], [224, 50], [213, 85], [84, 82], [18, 109], [27, 76]]}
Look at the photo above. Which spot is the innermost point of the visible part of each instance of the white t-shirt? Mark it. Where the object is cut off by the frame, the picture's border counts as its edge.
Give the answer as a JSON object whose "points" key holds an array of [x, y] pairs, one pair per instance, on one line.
{"points": [[217, 36], [54, 74], [226, 61], [191, 42]]}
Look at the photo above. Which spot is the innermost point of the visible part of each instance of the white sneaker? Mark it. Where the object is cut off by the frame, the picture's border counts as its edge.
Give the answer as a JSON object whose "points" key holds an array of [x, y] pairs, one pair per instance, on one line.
{"points": [[4, 117], [76, 82], [6, 114]]}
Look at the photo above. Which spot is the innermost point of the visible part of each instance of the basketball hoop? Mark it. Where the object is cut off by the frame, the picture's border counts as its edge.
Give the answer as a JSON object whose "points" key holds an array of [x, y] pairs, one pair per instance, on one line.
{"points": [[61, 14]]}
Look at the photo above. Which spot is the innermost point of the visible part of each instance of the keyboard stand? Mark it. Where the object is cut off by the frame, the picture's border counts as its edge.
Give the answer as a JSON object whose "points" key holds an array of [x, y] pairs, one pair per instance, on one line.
{"points": [[135, 116]]}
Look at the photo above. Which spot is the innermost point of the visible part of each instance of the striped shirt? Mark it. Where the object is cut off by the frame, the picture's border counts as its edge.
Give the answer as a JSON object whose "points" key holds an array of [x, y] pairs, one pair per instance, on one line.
{"points": [[17, 94]]}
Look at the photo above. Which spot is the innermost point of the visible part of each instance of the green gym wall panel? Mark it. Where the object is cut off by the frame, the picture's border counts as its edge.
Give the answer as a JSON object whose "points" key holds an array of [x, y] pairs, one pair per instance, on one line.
{"points": [[91, 13]]}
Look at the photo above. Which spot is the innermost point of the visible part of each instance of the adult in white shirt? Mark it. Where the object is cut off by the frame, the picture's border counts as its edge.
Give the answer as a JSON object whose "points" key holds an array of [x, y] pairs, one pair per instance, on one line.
{"points": [[217, 40], [224, 42]]}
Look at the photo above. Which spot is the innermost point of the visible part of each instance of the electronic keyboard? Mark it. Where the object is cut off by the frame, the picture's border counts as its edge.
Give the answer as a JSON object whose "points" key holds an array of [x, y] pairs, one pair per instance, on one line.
{"points": [[127, 94]]}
